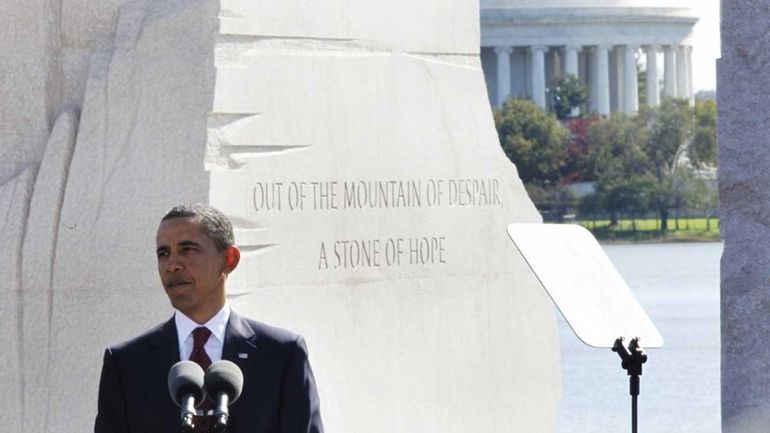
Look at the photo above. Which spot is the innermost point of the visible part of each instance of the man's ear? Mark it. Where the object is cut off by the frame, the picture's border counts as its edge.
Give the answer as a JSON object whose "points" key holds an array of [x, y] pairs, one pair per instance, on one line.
{"points": [[232, 257]]}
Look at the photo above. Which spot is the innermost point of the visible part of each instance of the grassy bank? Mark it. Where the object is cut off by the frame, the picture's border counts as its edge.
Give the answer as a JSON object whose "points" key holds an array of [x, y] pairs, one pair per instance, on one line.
{"points": [[648, 230]]}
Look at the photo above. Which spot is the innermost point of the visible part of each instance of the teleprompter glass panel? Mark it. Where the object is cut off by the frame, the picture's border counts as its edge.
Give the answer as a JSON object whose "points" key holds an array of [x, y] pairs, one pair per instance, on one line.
{"points": [[587, 289]]}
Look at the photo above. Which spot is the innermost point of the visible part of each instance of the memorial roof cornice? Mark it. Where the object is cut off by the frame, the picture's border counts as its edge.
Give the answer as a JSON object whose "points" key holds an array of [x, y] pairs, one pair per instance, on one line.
{"points": [[586, 14]]}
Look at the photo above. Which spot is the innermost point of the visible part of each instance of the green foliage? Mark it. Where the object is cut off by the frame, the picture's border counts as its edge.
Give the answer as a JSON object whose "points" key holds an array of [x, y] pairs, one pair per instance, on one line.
{"points": [[551, 200], [637, 163], [566, 94], [703, 151], [674, 192], [591, 204], [532, 139], [642, 230], [706, 199], [616, 154], [632, 197], [668, 128]]}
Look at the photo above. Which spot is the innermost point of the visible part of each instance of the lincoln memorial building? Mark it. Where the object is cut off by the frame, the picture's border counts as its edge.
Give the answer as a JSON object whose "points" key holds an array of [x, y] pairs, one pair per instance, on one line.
{"points": [[525, 44]]}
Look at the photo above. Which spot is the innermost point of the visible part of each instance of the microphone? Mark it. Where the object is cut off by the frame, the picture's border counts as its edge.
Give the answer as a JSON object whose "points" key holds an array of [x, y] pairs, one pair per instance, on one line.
{"points": [[224, 382], [185, 385]]}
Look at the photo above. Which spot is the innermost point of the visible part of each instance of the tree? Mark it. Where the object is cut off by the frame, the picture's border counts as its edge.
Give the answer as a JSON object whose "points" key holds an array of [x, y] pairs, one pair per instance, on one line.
{"points": [[567, 93], [590, 205], [675, 192], [706, 199], [532, 139], [553, 201], [616, 160], [616, 153], [631, 197], [575, 168], [703, 150], [669, 129]]}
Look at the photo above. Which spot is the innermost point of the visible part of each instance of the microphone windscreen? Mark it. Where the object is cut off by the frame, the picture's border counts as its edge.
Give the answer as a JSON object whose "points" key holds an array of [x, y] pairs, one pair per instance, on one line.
{"points": [[185, 378], [224, 377]]}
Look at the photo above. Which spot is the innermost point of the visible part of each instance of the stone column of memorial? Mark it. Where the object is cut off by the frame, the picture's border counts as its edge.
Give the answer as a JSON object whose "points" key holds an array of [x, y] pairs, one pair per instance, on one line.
{"points": [[744, 192]]}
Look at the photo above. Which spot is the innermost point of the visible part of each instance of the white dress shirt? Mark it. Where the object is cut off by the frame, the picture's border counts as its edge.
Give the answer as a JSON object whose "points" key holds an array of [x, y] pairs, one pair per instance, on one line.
{"points": [[215, 343]]}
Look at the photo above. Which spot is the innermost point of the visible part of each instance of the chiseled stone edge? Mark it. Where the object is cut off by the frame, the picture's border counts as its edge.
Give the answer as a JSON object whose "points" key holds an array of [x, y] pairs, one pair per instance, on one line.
{"points": [[15, 210], [38, 256]]}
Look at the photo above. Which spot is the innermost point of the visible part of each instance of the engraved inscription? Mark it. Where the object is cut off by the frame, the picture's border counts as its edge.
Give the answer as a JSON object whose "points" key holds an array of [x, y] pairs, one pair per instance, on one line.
{"points": [[361, 195], [374, 194], [377, 253]]}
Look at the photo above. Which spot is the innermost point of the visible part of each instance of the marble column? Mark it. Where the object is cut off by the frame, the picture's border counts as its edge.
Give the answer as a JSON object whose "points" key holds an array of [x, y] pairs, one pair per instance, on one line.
{"points": [[572, 68], [619, 87], [653, 89], [592, 82], [630, 79], [669, 71], [519, 73], [503, 73], [538, 75], [681, 72], [689, 76], [603, 80], [572, 60]]}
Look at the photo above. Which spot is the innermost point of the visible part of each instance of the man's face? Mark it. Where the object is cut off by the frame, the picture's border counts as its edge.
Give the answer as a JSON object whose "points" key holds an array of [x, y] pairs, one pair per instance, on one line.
{"points": [[191, 268]]}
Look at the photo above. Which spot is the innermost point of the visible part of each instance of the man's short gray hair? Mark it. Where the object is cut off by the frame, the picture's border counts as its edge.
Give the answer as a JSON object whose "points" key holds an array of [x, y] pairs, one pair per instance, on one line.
{"points": [[212, 222]]}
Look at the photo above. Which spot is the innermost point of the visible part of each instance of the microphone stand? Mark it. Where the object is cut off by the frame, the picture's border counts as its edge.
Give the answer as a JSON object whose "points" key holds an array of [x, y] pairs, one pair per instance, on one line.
{"points": [[187, 425], [632, 359], [221, 414]]}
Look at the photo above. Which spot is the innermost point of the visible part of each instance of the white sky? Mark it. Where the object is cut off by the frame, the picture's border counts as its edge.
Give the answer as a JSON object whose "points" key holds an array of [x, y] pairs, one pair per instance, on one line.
{"points": [[705, 44]]}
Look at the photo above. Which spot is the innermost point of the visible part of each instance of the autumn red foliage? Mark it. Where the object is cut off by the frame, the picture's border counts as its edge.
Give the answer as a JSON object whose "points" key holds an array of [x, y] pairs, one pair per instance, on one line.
{"points": [[575, 155]]}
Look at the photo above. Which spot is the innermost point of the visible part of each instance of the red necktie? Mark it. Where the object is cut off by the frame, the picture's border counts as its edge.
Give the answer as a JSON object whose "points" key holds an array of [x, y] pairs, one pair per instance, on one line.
{"points": [[198, 355]]}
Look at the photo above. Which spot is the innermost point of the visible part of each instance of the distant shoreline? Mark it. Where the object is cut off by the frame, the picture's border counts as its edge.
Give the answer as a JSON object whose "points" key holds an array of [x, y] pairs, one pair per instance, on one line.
{"points": [[648, 231], [658, 241]]}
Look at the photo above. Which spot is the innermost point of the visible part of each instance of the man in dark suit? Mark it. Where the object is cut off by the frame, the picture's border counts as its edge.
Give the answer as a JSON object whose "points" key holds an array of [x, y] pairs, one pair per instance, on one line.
{"points": [[196, 253]]}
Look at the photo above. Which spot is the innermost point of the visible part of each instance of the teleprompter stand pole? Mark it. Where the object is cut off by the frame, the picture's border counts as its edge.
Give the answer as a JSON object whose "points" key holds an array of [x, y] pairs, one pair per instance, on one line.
{"points": [[632, 359]]}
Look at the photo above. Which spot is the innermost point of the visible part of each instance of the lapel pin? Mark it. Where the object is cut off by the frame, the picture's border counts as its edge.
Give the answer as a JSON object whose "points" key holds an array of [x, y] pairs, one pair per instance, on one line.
{"points": [[243, 355]]}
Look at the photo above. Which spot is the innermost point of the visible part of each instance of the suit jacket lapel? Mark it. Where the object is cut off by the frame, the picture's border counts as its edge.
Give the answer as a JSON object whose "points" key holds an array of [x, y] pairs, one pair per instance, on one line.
{"points": [[240, 340], [167, 344]]}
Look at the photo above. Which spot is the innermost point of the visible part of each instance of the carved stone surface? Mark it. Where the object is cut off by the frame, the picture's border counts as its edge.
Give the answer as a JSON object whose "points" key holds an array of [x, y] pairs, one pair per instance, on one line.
{"points": [[352, 145], [744, 176], [42, 230], [15, 195]]}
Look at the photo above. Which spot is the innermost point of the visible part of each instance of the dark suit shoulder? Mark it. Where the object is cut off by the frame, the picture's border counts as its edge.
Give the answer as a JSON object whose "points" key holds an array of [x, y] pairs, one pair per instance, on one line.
{"points": [[267, 337], [154, 336], [269, 333]]}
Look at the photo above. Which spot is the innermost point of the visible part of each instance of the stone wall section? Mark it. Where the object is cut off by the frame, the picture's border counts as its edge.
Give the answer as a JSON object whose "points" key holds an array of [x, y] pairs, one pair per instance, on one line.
{"points": [[744, 176], [147, 104]]}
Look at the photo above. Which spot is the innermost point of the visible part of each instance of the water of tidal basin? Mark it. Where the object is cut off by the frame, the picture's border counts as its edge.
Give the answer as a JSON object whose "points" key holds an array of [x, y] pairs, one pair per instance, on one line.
{"points": [[678, 285]]}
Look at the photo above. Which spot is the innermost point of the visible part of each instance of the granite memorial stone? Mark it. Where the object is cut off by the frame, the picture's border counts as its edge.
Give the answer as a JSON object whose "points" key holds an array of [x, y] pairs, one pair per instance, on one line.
{"points": [[743, 186], [351, 144]]}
